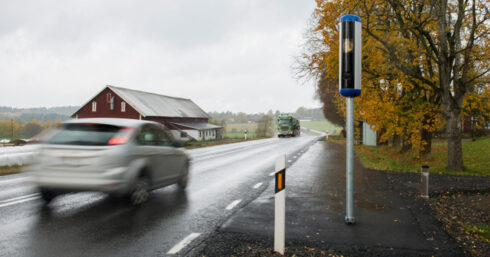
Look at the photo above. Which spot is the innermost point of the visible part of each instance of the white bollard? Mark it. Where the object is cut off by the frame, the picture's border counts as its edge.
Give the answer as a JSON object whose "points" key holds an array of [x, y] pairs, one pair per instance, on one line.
{"points": [[424, 189], [280, 204]]}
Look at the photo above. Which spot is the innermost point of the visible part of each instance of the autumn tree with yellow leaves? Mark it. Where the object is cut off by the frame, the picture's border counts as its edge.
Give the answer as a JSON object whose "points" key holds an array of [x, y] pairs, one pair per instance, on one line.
{"points": [[422, 62]]}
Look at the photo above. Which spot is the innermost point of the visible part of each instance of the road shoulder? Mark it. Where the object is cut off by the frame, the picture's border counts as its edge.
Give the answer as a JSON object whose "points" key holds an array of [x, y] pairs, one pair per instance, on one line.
{"points": [[388, 223]]}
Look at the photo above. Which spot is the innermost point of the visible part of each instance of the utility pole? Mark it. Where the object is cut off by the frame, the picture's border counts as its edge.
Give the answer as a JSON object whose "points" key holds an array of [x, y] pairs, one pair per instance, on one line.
{"points": [[12, 129]]}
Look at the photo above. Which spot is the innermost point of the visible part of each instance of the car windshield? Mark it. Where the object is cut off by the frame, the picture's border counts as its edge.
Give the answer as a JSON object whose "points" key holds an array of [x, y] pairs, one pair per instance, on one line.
{"points": [[84, 134], [284, 121]]}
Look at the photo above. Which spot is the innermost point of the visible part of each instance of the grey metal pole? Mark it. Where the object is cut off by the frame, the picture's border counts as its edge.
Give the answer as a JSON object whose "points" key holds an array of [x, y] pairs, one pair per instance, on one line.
{"points": [[349, 176]]}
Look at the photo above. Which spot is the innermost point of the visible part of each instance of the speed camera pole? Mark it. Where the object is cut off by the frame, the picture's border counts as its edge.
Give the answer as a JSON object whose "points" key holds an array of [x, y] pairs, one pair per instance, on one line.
{"points": [[350, 87]]}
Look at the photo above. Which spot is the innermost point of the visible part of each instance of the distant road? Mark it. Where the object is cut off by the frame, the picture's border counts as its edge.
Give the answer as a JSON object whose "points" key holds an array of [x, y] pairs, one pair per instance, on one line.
{"points": [[320, 133]]}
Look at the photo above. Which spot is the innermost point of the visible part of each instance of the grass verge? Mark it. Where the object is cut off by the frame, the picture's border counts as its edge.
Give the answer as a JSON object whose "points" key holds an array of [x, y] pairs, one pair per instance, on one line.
{"points": [[475, 158], [482, 231], [5, 170]]}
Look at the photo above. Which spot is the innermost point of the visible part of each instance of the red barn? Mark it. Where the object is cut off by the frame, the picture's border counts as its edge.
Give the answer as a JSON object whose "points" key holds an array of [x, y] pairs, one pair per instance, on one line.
{"points": [[182, 116]]}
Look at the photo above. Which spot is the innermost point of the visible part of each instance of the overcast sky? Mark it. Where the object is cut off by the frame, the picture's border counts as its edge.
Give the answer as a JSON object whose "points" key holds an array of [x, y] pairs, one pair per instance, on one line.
{"points": [[225, 55]]}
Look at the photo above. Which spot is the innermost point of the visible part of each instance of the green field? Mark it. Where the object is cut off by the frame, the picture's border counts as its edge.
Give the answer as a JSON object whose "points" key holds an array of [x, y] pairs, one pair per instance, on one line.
{"points": [[475, 158], [322, 126], [238, 135], [236, 130], [240, 127]]}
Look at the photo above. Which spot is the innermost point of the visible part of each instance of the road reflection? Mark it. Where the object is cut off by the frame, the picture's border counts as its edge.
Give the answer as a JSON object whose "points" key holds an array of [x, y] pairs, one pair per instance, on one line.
{"points": [[69, 230]]}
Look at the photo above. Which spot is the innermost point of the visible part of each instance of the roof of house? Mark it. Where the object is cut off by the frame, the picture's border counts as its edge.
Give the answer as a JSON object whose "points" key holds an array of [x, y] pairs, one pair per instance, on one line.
{"points": [[197, 125], [155, 105]]}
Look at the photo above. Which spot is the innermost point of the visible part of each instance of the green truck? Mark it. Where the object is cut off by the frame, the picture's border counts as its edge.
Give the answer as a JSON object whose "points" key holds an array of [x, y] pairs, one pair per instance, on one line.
{"points": [[287, 126]]}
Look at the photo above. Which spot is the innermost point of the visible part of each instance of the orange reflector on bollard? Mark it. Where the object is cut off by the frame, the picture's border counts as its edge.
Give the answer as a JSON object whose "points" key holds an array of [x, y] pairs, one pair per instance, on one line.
{"points": [[280, 180]]}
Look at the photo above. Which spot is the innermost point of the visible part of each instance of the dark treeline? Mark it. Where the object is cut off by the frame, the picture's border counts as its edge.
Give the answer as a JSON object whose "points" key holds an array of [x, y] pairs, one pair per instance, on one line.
{"points": [[241, 117], [42, 114]]}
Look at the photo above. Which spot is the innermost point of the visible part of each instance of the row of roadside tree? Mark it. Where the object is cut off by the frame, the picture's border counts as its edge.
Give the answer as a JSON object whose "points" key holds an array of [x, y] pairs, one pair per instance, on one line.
{"points": [[14, 129], [425, 66]]}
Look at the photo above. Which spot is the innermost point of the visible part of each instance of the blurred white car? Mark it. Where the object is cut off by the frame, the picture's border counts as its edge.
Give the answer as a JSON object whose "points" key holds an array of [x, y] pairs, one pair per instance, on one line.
{"points": [[122, 157]]}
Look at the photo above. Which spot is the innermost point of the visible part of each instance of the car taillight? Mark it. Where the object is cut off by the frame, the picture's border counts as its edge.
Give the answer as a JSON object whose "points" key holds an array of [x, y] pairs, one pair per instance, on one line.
{"points": [[121, 137]]}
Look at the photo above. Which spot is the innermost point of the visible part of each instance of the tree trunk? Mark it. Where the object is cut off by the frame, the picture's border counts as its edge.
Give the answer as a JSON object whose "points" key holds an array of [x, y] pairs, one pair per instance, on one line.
{"points": [[426, 136], [426, 147], [397, 141], [452, 112], [378, 138], [473, 129], [454, 145], [406, 145], [452, 94]]}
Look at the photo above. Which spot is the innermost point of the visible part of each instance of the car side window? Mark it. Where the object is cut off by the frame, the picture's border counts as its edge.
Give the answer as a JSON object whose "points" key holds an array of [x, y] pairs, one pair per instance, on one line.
{"points": [[153, 135], [163, 138], [146, 136]]}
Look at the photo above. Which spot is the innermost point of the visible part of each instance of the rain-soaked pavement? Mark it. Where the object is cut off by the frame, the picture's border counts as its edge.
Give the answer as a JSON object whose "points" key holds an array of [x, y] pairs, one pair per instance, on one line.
{"points": [[223, 180], [386, 224]]}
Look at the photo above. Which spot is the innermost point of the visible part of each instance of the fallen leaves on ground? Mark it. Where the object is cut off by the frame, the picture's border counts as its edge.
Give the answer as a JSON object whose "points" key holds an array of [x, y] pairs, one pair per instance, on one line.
{"points": [[465, 217]]}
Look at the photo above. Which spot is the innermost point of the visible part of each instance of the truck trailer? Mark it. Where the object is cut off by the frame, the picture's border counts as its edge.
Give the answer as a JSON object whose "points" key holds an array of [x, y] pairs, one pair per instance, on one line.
{"points": [[287, 126]]}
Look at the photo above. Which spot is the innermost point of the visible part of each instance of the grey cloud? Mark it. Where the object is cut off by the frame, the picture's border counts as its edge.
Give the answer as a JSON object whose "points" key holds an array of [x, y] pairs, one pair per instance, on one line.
{"points": [[222, 54]]}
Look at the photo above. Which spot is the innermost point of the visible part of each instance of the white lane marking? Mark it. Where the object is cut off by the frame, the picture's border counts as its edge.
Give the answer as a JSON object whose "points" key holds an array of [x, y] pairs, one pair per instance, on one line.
{"points": [[289, 160], [183, 243], [257, 185], [233, 204], [295, 157], [272, 174], [13, 180], [17, 200]]}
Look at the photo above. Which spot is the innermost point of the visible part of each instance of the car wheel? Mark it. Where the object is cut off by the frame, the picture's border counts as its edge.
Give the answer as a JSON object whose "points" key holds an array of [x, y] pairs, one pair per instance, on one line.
{"points": [[140, 192], [183, 181], [47, 195]]}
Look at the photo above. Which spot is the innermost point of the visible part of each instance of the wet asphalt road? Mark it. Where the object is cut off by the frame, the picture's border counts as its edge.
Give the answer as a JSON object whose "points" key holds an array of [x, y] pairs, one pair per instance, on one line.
{"points": [[223, 179]]}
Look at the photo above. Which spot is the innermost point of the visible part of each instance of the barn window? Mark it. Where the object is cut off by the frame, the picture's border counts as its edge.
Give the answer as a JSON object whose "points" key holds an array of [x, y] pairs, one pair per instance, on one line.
{"points": [[123, 106], [94, 106], [112, 103]]}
